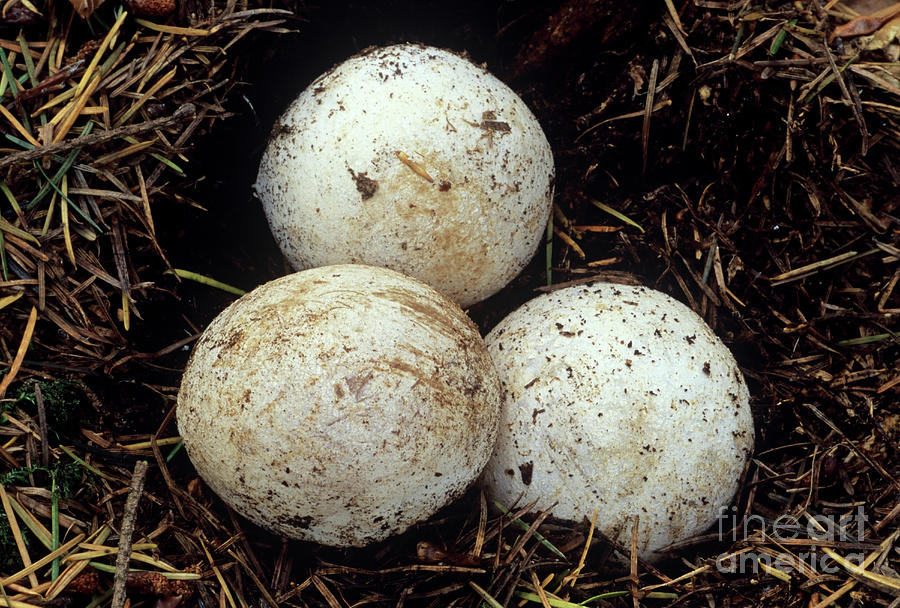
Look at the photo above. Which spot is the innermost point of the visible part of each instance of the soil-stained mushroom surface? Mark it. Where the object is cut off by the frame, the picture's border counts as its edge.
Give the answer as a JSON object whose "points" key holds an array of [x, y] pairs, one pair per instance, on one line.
{"points": [[339, 405], [621, 399], [412, 158]]}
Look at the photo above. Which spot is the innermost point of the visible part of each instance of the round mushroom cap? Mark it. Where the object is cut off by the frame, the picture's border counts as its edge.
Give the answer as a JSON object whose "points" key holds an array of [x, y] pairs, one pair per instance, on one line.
{"points": [[411, 158], [620, 399], [339, 405]]}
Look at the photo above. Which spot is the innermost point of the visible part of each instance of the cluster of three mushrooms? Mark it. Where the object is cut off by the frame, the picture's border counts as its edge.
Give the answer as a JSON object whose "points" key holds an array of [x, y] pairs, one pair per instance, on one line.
{"points": [[345, 403]]}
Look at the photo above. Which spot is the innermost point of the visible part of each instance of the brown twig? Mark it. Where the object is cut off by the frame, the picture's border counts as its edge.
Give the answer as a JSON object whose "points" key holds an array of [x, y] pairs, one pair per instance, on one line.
{"points": [[185, 112], [128, 518]]}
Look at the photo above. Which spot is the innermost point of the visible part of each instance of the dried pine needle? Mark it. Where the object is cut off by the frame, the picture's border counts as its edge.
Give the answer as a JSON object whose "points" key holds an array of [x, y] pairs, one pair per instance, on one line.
{"points": [[64, 214], [48, 218], [163, 81], [218, 573], [50, 557], [417, 168], [124, 152], [19, 127], [12, 199], [90, 71], [5, 602], [74, 112], [7, 300], [14, 529], [178, 31], [882, 582], [125, 312], [145, 445], [32, 523], [570, 242], [51, 183], [20, 355], [15, 231]]}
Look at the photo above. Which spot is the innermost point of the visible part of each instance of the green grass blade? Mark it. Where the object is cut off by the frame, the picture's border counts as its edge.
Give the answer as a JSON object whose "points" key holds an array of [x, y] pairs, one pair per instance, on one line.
{"points": [[3, 265], [543, 540], [78, 210], [12, 199], [553, 601], [488, 599], [63, 169], [616, 214], [29, 523], [205, 280], [19, 142], [779, 38], [865, 340], [174, 451], [172, 576], [26, 56], [81, 461], [167, 162], [827, 81], [54, 525], [7, 71]]}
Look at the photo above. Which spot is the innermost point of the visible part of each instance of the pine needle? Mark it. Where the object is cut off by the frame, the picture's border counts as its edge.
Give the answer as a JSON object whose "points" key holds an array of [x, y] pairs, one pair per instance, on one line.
{"points": [[204, 280], [20, 354], [616, 214]]}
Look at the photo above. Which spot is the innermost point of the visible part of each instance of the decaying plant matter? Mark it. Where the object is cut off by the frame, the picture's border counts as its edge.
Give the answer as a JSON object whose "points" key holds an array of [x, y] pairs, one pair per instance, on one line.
{"points": [[97, 118]]}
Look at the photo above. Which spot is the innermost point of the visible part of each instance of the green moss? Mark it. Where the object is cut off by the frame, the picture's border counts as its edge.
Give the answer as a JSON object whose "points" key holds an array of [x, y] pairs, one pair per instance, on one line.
{"points": [[69, 478], [16, 476], [63, 401]]}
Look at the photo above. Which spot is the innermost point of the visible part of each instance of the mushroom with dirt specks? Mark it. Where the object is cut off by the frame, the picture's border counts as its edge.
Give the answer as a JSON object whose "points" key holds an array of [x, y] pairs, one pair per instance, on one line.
{"points": [[340, 405], [621, 399], [412, 158]]}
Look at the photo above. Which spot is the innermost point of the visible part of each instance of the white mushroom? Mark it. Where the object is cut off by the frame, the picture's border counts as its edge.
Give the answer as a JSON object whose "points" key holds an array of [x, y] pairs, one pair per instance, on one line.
{"points": [[339, 405], [412, 158], [620, 399]]}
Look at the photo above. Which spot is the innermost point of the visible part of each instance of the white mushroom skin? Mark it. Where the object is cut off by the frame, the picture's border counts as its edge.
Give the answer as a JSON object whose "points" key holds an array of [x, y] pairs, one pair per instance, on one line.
{"points": [[412, 158], [619, 398], [339, 405]]}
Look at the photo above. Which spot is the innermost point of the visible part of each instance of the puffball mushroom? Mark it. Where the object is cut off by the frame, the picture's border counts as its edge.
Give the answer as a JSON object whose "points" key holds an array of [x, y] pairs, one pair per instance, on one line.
{"points": [[339, 405], [411, 158], [621, 399]]}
